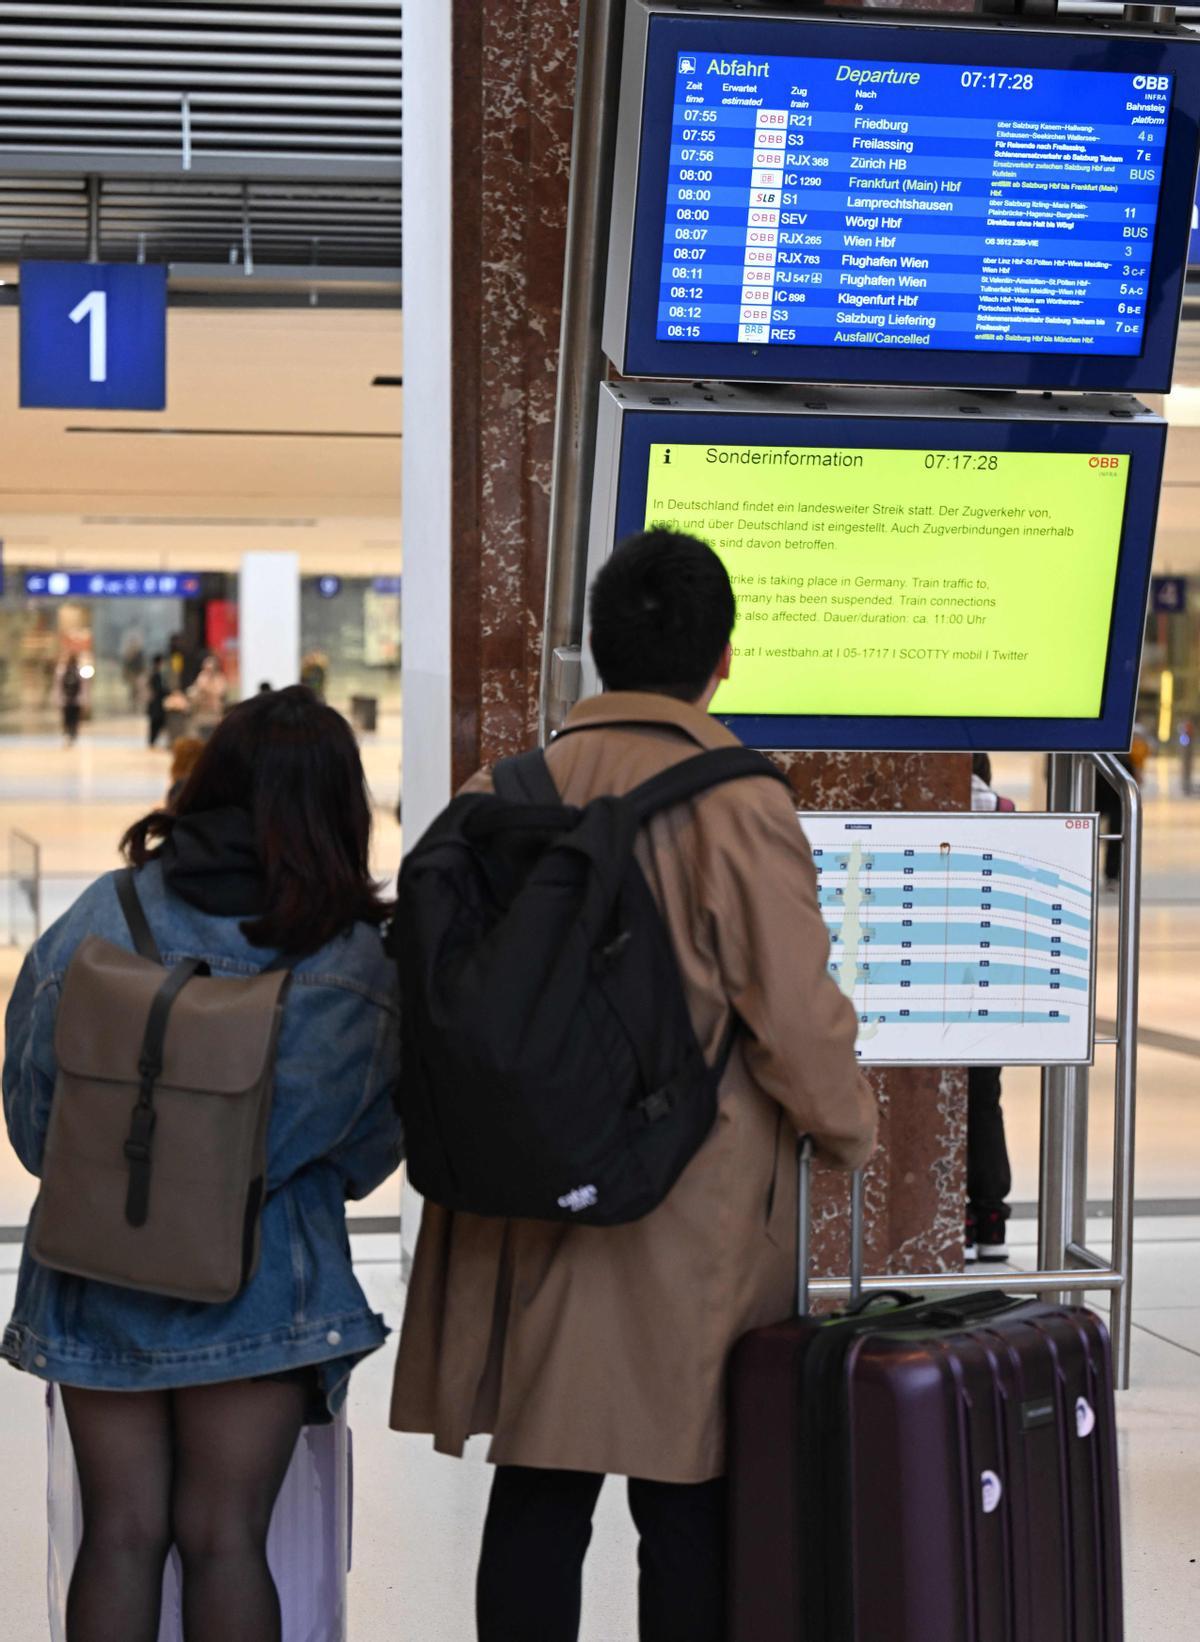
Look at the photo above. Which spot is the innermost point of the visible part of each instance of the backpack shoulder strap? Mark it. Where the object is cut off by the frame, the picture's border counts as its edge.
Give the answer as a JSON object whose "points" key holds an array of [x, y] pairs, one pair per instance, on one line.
{"points": [[526, 779], [135, 917], [143, 935], [693, 776]]}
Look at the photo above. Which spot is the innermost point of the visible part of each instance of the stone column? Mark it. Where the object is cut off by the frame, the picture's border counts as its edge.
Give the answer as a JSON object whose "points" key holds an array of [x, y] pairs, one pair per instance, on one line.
{"points": [[916, 1186], [514, 69], [514, 87]]}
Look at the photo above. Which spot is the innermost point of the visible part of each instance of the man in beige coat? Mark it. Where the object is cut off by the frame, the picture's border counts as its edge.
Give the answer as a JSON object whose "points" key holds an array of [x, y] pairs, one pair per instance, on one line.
{"points": [[585, 1351]]}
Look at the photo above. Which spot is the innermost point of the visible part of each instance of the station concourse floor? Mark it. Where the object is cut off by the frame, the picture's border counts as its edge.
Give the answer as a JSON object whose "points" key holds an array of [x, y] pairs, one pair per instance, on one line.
{"points": [[417, 1516]]}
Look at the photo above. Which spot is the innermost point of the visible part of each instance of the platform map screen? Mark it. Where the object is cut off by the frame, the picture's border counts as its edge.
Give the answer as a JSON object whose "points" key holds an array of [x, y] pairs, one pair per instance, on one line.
{"points": [[828, 202], [961, 939], [906, 583]]}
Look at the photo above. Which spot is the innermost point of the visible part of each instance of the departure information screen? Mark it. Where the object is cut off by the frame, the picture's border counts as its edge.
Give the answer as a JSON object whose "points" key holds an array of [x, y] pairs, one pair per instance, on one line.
{"points": [[918, 583], [820, 201]]}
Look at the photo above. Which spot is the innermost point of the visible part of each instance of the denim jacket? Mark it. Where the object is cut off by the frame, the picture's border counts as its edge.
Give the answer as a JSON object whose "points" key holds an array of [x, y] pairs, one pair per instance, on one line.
{"points": [[333, 1135]]}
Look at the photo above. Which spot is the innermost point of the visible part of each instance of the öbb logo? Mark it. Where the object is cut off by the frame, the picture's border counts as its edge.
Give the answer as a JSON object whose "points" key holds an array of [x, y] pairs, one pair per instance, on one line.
{"points": [[1104, 462]]}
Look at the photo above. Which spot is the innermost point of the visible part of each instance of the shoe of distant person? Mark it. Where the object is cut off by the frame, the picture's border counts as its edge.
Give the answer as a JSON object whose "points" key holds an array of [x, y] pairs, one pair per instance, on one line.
{"points": [[986, 1236]]}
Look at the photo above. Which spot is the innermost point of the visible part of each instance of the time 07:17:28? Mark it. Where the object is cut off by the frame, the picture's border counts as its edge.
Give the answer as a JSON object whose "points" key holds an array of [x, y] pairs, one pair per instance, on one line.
{"points": [[982, 461]]}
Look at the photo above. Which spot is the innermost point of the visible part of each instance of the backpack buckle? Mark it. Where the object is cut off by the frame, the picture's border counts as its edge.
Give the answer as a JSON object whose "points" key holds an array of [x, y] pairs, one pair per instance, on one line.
{"points": [[656, 1106], [141, 1132]]}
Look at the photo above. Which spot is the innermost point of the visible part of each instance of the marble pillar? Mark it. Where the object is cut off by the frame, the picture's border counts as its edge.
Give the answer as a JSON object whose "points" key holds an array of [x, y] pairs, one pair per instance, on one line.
{"points": [[514, 68], [514, 76], [916, 1185]]}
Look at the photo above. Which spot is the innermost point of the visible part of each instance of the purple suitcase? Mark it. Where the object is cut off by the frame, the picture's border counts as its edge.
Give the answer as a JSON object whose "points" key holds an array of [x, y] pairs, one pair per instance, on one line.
{"points": [[939, 1471]]}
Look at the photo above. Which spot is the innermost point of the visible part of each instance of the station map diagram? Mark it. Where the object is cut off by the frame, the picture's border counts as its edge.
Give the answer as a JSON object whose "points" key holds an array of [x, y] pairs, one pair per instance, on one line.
{"points": [[962, 939]]}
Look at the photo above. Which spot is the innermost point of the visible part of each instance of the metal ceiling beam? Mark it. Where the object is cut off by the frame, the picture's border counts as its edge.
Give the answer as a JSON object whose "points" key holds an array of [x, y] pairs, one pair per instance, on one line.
{"points": [[167, 57], [75, 94], [243, 43], [201, 117], [21, 162], [296, 273], [121, 136], [279, 14]]}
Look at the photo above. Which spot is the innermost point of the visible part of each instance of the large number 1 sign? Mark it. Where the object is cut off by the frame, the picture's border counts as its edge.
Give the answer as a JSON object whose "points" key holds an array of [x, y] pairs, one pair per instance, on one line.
{"points": [[93, 336], [94, 308]]}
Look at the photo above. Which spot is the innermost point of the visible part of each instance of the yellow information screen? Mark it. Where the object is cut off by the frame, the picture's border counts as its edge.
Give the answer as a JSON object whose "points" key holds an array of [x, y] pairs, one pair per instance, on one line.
{"points": [[906, 583]]}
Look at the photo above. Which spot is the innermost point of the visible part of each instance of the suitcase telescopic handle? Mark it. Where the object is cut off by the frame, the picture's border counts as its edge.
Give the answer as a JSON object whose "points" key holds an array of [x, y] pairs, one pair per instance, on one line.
{"points": [[804, 1227]]}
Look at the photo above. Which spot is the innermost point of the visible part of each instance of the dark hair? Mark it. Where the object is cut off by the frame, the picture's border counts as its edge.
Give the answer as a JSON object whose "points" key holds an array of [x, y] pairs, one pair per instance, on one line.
{"points": [[158, 657], [293, 765], [981, 765], [662, 612]]}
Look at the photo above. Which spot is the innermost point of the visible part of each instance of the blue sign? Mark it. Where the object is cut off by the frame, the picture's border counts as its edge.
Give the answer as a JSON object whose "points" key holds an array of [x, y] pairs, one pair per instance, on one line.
{"points": [[386, 584], [93, 336], [329, 586], [111, 584], [798, 213], [1168, 595]]}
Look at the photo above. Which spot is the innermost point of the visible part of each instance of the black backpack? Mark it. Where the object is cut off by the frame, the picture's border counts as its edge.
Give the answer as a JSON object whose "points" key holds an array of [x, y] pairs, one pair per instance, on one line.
{"points": [[550, 1067]]}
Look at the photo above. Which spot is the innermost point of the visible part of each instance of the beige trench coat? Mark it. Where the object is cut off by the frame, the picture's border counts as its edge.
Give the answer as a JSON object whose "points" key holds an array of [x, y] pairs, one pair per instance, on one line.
{"points": [[605, 1349]]}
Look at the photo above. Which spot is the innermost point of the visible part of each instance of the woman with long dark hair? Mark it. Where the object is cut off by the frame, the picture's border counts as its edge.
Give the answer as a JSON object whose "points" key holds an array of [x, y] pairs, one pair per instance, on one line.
{"points": [[184, 1416]]}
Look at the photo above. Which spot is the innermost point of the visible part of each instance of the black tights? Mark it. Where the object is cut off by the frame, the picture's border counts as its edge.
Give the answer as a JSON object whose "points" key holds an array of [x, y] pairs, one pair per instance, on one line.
{"points": [[200, 1469]]}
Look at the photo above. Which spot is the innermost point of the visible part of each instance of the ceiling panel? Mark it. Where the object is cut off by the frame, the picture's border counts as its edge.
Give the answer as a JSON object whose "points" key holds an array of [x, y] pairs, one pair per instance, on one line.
{"points": [[204, 220], [262, 132], [203, 85]]}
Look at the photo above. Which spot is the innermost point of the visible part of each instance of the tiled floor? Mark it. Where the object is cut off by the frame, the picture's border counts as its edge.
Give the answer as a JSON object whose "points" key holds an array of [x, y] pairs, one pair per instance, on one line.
{"points": [[417, 1516]]}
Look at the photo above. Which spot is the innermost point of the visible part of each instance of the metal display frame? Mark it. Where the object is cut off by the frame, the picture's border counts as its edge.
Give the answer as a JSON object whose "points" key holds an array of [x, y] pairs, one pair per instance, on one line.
{"points": [[1067, 1264]]}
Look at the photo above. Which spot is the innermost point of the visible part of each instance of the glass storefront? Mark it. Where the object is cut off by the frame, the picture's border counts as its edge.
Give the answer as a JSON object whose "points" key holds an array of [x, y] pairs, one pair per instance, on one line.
{"points": [[350, 639], [350, 636]]}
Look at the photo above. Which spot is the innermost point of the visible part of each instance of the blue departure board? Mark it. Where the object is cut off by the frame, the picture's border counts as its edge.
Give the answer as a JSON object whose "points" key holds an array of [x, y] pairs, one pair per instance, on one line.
{"points": [[934, 203], [914, 205]]}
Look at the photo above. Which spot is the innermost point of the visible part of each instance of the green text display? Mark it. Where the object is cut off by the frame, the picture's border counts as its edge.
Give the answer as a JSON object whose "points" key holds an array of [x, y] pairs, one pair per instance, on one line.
{"points": [[906, 583]]}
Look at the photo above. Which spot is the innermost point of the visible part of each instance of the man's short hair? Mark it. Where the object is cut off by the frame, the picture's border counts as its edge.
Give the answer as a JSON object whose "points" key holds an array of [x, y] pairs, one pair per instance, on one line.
{"points": [[662, 612]]}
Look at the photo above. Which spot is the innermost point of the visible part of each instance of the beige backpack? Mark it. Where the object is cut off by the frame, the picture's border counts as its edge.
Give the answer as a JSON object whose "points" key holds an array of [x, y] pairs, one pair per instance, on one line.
{"points": [[155, 1162]]}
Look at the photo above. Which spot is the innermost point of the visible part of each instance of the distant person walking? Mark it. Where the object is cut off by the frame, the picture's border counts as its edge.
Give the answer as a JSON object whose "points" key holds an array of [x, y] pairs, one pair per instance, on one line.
{"points": [[208, 696], [156, 711], [314, 672], [1112, 813], [133, 665], [70, 699]]}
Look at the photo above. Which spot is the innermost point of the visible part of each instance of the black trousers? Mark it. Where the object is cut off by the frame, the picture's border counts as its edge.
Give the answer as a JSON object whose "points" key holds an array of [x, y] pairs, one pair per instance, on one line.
{"points": [[539, 1526], [989, 1177]]}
